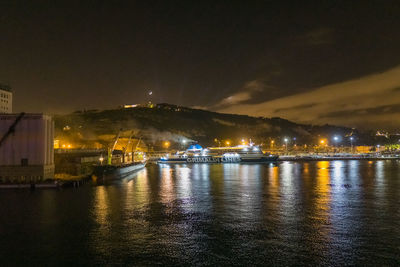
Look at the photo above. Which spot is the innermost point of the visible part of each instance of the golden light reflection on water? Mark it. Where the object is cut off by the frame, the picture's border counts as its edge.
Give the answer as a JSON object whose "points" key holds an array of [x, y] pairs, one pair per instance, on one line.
{"points": [[308, 205], [323, 186], [274, 176], [167, 192], [142, 188], [306, 168], [272, 188], [307, 176], [137, 190], [322, 200], [102, 208]]}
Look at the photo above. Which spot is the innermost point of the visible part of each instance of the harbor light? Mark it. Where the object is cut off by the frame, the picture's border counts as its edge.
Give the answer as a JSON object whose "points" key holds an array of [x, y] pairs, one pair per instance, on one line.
{"points": [[286, 141], [166, 144], [228, 143], [323, 142]]}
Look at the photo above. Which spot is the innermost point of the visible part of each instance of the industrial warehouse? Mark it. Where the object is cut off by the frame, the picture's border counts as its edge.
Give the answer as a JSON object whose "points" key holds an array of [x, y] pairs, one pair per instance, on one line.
{"points": [[26, 148]]}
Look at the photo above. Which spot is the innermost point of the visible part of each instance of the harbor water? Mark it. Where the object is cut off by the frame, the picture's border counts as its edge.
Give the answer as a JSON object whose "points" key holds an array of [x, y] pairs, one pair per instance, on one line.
{"points": [[288, 213]]}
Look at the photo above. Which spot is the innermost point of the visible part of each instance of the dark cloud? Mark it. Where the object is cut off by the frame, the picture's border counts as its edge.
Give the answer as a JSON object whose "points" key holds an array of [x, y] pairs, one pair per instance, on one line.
{"points": [[295, 107], [369, 101], [320, 36], [377, 111]]}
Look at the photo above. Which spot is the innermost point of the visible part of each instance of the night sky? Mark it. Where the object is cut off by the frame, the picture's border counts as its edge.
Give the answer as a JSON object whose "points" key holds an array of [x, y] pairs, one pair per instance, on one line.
{"points": [[317, 62]]}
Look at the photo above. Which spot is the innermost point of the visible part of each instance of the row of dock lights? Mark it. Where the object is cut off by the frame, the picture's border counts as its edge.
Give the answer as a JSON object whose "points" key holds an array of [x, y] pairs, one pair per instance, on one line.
{"points": [[66, 146], [323, 141], [286, 140], [167, 144]]}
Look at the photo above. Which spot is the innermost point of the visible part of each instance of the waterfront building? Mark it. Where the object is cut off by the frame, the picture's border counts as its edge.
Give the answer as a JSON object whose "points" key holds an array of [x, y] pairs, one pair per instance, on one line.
{"points": [[26, 148], [5, 99]]}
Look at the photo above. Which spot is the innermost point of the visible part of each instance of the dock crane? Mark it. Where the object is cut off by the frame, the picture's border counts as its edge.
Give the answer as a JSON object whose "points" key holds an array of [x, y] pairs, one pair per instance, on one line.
{"points": [[11, 130], [111, 150], [137, 145], [127, 145]]}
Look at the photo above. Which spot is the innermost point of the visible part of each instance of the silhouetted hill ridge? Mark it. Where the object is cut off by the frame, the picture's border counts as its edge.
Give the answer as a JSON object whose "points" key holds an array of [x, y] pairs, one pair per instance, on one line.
{"points": [[195, 124]]}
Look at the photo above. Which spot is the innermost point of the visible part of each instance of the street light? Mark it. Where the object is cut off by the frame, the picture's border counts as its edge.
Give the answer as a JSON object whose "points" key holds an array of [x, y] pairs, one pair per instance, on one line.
{"points": [[351, 143], [324, 145], [183, 143], [336, 140], [228, 143], [286, 141], [167, 144]]}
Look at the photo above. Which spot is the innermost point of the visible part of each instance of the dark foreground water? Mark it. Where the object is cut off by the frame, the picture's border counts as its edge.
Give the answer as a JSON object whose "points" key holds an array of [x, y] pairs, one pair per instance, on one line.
{"points": [[316, 213]]}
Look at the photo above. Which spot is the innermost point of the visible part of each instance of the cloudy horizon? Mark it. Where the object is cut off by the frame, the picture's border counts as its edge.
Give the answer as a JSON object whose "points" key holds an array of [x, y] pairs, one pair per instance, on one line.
{"points": [[373, 102]]}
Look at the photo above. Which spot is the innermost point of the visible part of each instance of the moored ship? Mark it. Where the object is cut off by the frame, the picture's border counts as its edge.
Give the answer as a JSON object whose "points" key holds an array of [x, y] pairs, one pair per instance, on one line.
{"points": [[237, 154], [110, 172], [120, 163]]}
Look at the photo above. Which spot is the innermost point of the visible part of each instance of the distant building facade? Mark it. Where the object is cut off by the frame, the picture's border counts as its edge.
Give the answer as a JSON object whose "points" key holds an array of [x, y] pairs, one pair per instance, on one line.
{"points": [[5, 99], [27, 153]]}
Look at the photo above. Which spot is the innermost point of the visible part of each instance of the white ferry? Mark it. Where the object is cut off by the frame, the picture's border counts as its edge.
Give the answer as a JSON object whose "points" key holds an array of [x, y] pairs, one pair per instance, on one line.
{"points": [[237, 154]]}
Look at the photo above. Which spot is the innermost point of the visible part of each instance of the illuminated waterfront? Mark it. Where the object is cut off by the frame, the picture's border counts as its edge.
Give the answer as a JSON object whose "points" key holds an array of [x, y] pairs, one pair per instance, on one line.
{"points": [[319, 212]]}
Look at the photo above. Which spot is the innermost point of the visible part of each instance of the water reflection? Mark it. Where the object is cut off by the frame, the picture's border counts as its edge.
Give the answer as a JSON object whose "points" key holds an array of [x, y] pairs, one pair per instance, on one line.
{"points": [[306, 213], [102, 208], [141, 187], [167, 192], [322, 200], [380, 179], [184, 189]]}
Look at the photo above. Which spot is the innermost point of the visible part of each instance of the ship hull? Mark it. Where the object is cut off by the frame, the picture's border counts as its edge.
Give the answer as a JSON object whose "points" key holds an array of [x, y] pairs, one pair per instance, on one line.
{"points": [[220, 160], [113, 172]]}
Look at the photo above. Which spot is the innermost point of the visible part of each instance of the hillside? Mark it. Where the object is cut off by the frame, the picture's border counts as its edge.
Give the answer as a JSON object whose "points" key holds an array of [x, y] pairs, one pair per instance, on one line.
{"points": [[174, 123]]}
